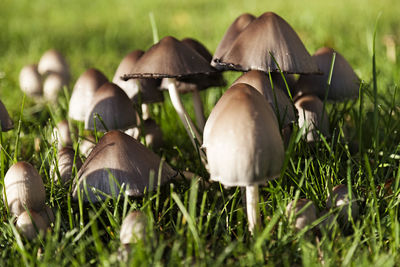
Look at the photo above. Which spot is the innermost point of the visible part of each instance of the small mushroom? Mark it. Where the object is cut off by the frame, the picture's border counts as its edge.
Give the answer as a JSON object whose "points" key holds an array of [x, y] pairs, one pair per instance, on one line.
{"points": [[24, 188], [6, 123], [133, 228], [304, 213], [30, 81], [340, 199], [52, 61], [62, 134], [86, 145], [52, 86], [30, 224], [66, 158]]}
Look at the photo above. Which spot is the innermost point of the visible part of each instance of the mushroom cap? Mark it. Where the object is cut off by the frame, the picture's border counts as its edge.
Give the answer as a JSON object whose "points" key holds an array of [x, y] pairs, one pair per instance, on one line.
{"points": [[65, 158], [62, 134], [31, 224], [30, 80], [85, 87], [87, 144], [113, 105], [152, 134], [127, 160], [169, 58], [5, 120], [306, 217], [244, 146], [52, 61], [149, 92], [267, 34], [24, 188], [261, 82], [310, 110], [344, 83], [233, 31], [133, 228], [52, 86], [340, 198]]}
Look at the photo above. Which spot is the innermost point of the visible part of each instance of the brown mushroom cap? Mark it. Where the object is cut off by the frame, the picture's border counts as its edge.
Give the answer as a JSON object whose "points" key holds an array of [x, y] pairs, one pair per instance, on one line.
{"points": [[112, 104], [312, 116], [5, 120], [344, 82], [133, 228], [65, 158], [230, 35], [152, 134], [62, 134], [53, 61], [24, 188], [306, 217], [30, 80], [124, 158], [169, 58], [149, 92], [244, 146], [340, 198], [85, 87], [261, 83], [31, 224], [267, 34]]}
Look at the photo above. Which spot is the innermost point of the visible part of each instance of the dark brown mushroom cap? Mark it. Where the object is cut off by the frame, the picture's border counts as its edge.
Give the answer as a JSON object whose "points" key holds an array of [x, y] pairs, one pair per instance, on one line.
{"points": [[261, 82], [267, 34], [85, 87], [244, 145], [149, 92], [169, 58], [112, 104], [122, 157], [312, 116], [230, 35], [5, 120], [344, 83]]}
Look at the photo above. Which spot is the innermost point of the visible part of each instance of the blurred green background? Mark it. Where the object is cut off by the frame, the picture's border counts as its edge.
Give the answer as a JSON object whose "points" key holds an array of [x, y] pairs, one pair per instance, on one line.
{"points": [[99, 33]]}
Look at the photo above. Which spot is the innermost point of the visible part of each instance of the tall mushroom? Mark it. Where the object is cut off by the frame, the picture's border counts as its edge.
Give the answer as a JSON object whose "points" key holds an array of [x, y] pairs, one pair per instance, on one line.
{"points": [[243, 144]]}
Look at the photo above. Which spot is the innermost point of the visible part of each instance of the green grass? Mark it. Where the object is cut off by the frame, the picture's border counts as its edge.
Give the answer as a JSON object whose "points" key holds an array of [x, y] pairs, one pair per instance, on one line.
{"points": [[190, 223]]}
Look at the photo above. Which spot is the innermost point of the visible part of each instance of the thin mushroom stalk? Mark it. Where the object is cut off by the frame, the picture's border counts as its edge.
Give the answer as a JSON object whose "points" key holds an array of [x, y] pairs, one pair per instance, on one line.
{"points": [[198, 109], [253, 213], [183, 115]]}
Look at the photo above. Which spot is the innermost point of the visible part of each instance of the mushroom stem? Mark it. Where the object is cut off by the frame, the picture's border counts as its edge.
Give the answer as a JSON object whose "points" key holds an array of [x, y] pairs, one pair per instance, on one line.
{"points": [[198, 109], [253, 215], [145, 111], [183, 115]]}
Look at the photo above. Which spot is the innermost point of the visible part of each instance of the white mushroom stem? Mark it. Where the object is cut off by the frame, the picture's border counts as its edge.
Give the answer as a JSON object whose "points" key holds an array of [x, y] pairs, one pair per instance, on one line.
{"points": [[198, 109], [253, 215], [145, 112]]}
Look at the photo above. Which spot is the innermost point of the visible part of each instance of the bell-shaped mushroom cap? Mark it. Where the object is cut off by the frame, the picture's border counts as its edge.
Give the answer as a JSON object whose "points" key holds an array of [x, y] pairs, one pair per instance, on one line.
{"points": [[5, 120], [52, 86], [230, 35], [30, 224], [344, 82], [120, 158], [52, 61], [312, 116], [30, 80], [170, 58], [261, 83], [85, 87], [113, 106], [87, 144], [24, 188], [307, 216], [149, 92], [133, 228], [340, 198], [244, 146], [61, 134], [152, 134], [267, 34], [66, 158]]}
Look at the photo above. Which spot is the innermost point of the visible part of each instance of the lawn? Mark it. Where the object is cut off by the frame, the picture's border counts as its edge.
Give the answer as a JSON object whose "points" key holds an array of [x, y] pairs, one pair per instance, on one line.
{"points": [[190, 222]]}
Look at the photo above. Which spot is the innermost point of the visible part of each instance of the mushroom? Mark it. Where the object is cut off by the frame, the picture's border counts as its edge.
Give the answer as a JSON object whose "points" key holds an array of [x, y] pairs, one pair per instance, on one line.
{"points": [[344, 82], [152, 134], [62, 134], [24, 188], [312, 117], [52, 86], [6, 123], [86, 145], [304, 213], [112, 104], [118, 160], [266, 36], [52, 61], [243, 144], [85, 87], [133, 228], [30, 81], [171, 59], [340, 199], [30, 224], [67, 159]]}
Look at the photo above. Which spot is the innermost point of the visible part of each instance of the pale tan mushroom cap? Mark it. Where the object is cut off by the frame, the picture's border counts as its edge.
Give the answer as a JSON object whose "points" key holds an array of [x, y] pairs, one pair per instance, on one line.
{"points": [[306, 217], [31, 224], [30, 80], [52, 61], [133, 228], [243, 143], [24, 188]]}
